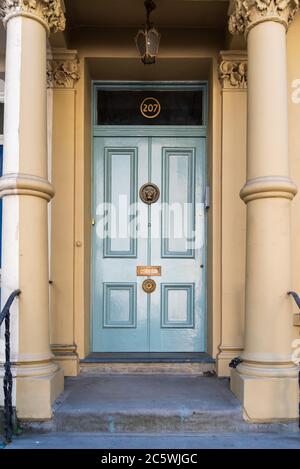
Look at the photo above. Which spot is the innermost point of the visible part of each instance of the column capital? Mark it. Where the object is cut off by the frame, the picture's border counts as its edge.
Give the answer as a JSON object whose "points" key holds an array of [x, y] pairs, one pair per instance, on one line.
{"points": [[245, 14], [62, 69], [233, 68], [47, 12]]}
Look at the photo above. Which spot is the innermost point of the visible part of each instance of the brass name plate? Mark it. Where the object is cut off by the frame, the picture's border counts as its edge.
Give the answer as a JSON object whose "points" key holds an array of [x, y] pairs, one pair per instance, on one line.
{"points": [[148, 271]]}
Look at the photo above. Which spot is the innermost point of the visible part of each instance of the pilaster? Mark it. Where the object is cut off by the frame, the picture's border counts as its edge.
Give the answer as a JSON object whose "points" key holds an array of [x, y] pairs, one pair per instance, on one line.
{"points": [[62, 77], [233, 79]]}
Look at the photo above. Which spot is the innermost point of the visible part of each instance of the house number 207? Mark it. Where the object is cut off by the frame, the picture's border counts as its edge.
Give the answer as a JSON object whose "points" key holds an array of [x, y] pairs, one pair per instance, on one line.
{"points": [[150, 108]]}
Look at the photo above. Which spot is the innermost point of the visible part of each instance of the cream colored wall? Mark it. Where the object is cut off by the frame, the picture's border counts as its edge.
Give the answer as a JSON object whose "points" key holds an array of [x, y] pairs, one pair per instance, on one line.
{"points": [[214, 213], [119, 43], [62, 214], [87, 205], [82, 197], [293, 56]]}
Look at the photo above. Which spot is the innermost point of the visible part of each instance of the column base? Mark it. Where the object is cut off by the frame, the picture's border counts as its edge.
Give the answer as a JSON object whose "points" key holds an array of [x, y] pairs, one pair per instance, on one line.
{"points": [[266, 399], [66, 357], [36, 394], [224, 358], [69, 363]]}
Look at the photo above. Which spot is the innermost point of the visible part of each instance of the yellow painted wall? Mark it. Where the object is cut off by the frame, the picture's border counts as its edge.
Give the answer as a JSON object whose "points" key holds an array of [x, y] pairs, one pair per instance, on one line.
{"points": [[62, 214]]}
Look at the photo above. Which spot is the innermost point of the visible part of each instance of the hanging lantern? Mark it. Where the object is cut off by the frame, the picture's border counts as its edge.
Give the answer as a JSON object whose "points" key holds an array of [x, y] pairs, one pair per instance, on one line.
{"points": [[147, 40]]}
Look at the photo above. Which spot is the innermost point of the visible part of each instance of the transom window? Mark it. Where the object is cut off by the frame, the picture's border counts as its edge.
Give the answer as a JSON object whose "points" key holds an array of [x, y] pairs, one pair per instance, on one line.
{"points": [[149, 106]]}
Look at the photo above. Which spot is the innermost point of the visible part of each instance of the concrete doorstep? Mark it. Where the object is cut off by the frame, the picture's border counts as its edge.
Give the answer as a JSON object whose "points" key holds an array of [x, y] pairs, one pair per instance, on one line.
{"points": [[151, 411]]}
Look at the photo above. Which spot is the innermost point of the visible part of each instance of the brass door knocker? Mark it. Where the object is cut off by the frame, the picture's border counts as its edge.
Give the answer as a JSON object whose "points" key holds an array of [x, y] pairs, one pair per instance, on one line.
{"points": [[149, 193], [149, 285]]}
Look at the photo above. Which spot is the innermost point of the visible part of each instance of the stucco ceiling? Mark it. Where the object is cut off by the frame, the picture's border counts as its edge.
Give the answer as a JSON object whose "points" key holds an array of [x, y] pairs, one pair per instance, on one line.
{"points": [[131, 13], [206, 14]]}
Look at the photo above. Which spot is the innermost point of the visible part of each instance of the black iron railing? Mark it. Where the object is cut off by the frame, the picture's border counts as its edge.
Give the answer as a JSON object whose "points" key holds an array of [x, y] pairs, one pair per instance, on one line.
{"points": [[296, 297], [8, 381]]}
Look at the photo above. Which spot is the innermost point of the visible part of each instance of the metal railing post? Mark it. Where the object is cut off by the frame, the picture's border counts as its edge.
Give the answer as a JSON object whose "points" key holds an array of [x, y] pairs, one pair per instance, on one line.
{"points": [[8, 380]]}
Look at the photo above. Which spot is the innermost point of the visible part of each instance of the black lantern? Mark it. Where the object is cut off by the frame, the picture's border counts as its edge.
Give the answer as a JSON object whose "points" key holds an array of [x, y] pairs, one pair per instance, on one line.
{"points": [[147, 40]]}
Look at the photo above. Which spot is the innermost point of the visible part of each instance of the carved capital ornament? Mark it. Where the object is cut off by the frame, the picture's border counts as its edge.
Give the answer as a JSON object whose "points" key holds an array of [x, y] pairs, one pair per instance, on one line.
{"points": [[245, 14], [62, 73], [233, 74], [47, 12]]}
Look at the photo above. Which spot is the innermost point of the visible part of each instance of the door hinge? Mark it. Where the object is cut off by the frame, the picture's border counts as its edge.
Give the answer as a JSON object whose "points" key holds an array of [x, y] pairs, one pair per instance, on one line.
{"points": [[207, 197], [93, 221]]}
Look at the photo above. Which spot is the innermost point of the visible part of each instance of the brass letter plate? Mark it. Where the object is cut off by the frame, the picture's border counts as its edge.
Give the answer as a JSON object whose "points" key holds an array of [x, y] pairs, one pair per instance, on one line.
{"points": [[148, 270]]}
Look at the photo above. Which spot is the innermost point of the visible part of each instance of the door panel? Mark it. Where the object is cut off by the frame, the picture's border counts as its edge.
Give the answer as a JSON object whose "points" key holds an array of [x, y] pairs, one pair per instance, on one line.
{"points": [[177, 305], [120, 181], [178, 184], [119, 305], [171, 234]]}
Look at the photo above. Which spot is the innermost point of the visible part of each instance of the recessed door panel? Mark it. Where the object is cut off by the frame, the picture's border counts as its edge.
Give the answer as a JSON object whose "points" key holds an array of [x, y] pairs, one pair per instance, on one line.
{"points": [[178, 189], [119, 305], [177, 306], [120, 193]]}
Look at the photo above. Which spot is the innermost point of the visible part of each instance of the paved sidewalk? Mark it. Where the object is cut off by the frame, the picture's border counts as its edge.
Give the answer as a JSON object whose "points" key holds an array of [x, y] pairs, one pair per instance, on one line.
{"points": [[247, 440]]}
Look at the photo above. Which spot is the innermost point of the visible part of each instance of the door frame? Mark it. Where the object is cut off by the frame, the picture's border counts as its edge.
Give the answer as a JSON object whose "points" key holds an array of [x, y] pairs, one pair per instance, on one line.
{"points": [[148, 131]]}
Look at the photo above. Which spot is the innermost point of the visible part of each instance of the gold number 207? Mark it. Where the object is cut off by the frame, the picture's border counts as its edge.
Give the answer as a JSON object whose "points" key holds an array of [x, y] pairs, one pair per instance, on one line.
{"points": [[150, 109]]}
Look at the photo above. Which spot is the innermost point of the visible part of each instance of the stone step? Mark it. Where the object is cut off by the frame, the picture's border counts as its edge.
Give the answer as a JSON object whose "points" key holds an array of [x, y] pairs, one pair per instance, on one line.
{"points": [[148, 363], [141, 368], [146, 421], [148, 404]]}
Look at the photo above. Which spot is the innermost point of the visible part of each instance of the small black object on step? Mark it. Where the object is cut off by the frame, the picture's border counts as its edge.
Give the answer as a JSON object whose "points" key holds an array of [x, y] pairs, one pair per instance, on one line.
{"points": [[235, 362]]}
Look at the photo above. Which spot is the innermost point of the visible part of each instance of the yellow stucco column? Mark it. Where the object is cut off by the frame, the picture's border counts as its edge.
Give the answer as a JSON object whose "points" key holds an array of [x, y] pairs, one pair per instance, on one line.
{"points": [[26, 191], [266, 380]]}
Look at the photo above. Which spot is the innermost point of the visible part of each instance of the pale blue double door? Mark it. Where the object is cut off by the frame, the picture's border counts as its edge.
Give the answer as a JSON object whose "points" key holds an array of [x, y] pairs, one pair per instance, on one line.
{"points": [[169, 234]]}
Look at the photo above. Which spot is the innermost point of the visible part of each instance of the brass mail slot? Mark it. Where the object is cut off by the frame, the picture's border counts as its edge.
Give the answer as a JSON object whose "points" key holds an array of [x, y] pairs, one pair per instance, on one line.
{"points": [[148, 270]]}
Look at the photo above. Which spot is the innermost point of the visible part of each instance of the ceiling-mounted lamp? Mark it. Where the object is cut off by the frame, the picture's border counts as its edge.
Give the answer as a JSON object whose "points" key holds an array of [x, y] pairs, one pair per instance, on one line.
{"points": [[147, 40]]}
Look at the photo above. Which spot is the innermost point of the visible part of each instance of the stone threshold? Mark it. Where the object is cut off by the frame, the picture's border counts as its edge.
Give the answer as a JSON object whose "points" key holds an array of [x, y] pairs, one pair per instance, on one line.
{"points": [[134, 357], [200, 364]]}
